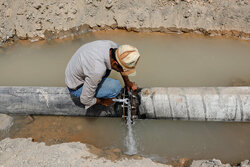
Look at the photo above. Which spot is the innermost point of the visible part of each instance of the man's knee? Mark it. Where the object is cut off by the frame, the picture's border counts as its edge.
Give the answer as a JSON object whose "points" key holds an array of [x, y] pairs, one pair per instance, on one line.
{"points": [[116, 87], [76, 93], [110, 88]]}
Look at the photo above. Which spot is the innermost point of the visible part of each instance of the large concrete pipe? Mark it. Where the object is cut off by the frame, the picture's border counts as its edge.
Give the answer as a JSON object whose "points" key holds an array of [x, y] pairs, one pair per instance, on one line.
{"points": [[44, 101], [203, 103], [208, 103]]}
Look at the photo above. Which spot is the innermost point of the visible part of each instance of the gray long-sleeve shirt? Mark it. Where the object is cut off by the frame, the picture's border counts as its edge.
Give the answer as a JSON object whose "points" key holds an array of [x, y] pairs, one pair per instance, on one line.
{"points": [[87, 67]]}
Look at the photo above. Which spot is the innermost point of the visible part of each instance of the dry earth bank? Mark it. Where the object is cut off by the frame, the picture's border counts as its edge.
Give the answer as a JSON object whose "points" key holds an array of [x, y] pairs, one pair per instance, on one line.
{"points": [[24, 152], [42, 19]]}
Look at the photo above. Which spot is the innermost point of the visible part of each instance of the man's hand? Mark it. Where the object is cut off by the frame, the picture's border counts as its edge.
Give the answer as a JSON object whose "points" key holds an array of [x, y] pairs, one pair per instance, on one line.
{"points": [[131, 85], [105, 102]]}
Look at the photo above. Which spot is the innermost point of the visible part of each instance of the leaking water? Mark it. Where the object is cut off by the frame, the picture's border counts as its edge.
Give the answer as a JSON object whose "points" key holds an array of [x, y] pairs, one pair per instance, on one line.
{"points": [[130, 141]]}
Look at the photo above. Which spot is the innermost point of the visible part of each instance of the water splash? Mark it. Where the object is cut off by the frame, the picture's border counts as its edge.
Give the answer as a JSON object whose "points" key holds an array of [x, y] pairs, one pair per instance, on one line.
{"points": [[130, 141]]}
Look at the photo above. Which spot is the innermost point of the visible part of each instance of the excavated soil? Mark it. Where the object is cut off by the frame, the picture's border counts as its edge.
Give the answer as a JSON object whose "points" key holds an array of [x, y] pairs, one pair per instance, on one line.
{"points": [[41, 19]]}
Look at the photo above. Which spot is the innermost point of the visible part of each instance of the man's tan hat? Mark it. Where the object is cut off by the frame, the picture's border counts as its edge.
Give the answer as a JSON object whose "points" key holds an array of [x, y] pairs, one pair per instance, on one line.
{"points": [[127, 56]]}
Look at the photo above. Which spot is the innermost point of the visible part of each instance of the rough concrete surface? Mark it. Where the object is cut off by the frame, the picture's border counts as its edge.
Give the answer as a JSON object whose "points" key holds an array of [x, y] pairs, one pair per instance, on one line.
{"points": [[42, 19], [5, 123], [46, 101], [196, 103], [23, 152]]}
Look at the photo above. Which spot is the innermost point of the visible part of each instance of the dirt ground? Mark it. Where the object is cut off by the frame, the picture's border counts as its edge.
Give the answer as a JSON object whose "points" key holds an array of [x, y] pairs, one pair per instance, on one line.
{"points": [[24, 152], [42, 19]]}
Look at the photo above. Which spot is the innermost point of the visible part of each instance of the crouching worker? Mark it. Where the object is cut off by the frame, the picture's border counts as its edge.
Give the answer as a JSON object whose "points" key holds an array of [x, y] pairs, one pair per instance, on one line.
{"points": [[88, 70]]}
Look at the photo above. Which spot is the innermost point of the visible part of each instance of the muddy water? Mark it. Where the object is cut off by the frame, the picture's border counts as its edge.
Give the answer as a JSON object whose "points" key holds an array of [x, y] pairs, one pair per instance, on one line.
{"points": [[162, 140], [167, 60]]}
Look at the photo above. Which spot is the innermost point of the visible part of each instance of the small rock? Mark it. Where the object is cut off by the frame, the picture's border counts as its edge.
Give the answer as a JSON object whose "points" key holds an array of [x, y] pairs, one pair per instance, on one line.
{"points": [[187, 14], [39, 27], [173, 29], [109, 4], [248, 19], [183, 162], [103, 113], [185, 30], [240, 2], [116, 150], [176, 1], [37, 6], [208, 163], [92, 13], [74, 11], [58, 13], [20, 12], [5, 122], [245, 163], [210, 1], [199, 13], [29, 16], [69, 19], [89, 1], [216, 162], [141, 17], [61, 6], [8, 12]]}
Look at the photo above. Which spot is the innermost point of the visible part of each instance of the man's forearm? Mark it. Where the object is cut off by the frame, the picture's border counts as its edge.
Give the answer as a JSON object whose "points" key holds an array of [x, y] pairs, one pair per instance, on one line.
{"points": [[128, 84], [125, 79]]}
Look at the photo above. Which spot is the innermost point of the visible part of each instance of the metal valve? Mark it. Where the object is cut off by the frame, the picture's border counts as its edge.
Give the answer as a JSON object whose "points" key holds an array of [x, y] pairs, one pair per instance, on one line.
{"points": [[128, 103], [126, 100]]}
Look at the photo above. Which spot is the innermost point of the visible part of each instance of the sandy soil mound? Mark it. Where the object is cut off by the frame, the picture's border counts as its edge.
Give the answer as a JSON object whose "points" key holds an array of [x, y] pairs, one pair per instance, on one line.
{"points": [[24, 152]]}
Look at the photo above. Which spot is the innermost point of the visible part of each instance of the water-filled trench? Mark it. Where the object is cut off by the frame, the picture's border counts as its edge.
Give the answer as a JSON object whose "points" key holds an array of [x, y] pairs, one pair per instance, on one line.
{"points": [[161, 140], [167, 60]]}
